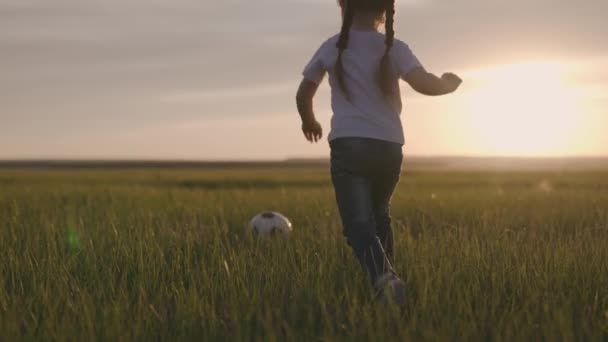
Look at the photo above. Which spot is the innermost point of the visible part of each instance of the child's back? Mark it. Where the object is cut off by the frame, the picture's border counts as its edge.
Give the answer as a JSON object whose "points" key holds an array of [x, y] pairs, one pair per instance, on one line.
{"points": [[363, 110]]}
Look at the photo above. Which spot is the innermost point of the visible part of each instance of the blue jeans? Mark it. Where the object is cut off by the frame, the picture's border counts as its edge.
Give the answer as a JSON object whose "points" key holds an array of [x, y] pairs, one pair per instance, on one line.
{"points": [[365, 173]]}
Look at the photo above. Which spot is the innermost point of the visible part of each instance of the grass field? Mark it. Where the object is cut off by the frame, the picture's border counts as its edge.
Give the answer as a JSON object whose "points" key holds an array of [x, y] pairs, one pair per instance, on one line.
{"points": [[156, 255]]}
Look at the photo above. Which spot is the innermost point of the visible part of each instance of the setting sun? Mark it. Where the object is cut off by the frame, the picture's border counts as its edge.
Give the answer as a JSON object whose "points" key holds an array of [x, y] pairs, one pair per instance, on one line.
{"points": [[524, 109]]}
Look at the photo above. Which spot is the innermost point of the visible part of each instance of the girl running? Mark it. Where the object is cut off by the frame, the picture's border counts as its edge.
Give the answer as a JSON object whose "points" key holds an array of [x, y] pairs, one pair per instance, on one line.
{"points": [[366, 137]]}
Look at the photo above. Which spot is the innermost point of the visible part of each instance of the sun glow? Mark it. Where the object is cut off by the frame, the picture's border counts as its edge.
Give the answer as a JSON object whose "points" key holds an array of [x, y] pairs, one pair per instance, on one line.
{"points": [[524, 109]]}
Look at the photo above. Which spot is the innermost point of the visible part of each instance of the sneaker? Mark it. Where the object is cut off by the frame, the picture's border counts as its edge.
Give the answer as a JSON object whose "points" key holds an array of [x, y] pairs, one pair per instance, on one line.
{"points": [[390, 290]]}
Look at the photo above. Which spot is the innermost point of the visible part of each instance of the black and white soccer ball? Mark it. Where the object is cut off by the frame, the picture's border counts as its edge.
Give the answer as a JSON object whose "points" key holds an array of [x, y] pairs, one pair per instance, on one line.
{"points": [[270, 223]]}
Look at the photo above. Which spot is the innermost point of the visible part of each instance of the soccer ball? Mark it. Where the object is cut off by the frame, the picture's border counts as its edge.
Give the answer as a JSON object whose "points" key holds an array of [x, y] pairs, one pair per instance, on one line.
{"points": [[269, 224]]}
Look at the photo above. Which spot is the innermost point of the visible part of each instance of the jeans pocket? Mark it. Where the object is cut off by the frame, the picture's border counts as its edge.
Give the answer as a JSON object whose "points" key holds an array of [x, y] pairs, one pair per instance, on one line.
{"points": [[347, 156]]}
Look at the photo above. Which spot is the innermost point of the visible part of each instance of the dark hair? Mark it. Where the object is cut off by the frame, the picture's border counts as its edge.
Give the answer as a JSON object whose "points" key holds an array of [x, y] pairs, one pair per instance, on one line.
{"points": [[350, 7]]}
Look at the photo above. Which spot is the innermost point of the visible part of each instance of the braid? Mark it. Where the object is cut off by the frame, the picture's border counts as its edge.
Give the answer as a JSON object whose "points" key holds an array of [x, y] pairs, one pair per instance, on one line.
{"points": [[347, 21], [384, 72]]}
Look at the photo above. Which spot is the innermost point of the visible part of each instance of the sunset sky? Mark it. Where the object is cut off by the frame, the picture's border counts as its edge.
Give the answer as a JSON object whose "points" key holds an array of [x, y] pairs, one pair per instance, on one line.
{"points": [[216, 80]]}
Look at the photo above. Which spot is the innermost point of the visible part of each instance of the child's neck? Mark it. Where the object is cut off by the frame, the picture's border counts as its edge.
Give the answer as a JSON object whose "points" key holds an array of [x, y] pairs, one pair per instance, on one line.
{"points": [[362, 22]]}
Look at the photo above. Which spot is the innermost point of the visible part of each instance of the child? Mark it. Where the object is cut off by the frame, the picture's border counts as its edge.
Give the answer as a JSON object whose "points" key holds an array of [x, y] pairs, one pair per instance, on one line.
{"points": [[366, 135]]}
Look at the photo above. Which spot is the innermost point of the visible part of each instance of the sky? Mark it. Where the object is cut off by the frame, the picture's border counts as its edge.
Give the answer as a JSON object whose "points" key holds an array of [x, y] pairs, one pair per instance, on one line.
{"points": [[216, 80]]}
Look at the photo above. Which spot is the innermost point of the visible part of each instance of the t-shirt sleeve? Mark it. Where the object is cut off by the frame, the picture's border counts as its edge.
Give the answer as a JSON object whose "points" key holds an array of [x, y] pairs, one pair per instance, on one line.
{"points": [[405, 60], [315, 70]]}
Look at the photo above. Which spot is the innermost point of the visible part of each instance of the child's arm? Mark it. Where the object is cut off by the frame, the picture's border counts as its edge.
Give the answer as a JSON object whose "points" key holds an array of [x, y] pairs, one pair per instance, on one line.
{"points": [[429, 84], [304, 99]]}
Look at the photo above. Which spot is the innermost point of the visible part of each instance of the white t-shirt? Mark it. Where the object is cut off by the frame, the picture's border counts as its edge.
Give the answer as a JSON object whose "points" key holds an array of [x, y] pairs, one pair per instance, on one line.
{"points": [[367, 113]]}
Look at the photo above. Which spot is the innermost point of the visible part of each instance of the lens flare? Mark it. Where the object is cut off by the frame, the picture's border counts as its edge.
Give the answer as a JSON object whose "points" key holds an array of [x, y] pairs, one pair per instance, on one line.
{"points": [[73, 240]]}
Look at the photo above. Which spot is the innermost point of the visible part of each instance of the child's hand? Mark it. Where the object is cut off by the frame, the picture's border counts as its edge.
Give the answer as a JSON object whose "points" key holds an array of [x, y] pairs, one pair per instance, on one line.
{"points": [[312, 130], [452, 81]]}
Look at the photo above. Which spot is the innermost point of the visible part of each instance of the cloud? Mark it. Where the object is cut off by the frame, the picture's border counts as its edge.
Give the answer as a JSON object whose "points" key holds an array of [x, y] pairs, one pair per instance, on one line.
{"points": [[227, 94], [106, 65]]}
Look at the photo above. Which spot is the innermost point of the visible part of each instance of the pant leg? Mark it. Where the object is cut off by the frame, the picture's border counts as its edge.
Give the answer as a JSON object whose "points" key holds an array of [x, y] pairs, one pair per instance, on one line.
{"points": [[385, 179], [353, 189], [382, 193]]}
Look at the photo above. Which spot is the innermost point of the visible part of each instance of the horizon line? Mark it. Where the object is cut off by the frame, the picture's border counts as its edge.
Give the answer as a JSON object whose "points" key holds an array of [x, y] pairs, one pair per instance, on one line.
{"points": [[287, 159]]}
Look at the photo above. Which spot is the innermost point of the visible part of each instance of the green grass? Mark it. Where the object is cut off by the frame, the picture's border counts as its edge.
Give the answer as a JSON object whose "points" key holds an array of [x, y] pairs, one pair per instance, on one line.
{"points": [[163, 255]]}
